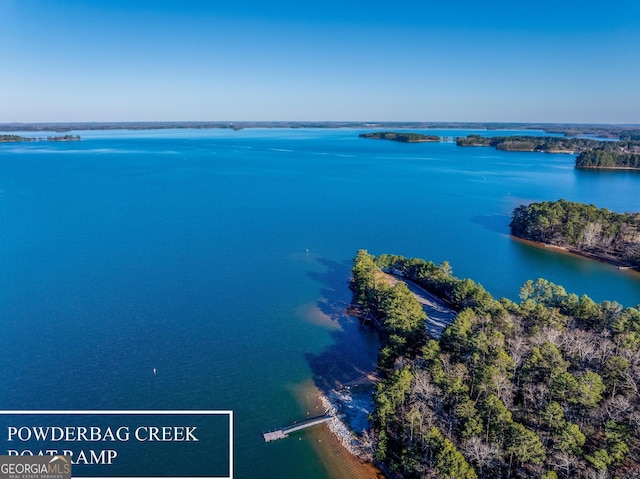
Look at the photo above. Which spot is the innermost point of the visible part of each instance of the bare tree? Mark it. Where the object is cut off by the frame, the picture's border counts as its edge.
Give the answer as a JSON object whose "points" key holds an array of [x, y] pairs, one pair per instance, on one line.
{"points": [[483, 455], [591, 233], [579, 344], [536, 396], [605, 347], [617, 408], [551, 335], [422, 386], [518, 349], [598, 474], [562, 462], [504, 388]]}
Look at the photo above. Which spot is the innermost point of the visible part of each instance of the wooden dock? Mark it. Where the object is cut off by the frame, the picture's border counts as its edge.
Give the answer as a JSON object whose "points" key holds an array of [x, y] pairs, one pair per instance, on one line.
{"points": [[285, 431]]}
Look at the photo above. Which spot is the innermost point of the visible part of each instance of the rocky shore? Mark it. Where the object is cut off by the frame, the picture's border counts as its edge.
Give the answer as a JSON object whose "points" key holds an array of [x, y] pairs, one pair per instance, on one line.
{"points": [[348, 414]]}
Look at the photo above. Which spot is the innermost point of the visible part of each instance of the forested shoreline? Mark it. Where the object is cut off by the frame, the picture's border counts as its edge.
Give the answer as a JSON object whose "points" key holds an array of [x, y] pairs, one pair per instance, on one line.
{"points": [[602, 158], [583, 229], [546, 387]]}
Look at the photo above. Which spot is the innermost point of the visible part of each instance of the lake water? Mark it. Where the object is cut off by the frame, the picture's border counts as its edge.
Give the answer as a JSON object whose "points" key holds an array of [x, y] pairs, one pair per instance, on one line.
{"points": [[221, 259]]}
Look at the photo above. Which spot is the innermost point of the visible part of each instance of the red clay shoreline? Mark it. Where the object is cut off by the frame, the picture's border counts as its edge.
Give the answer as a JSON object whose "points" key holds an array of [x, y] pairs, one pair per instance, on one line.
{"points": [[602, 259]]}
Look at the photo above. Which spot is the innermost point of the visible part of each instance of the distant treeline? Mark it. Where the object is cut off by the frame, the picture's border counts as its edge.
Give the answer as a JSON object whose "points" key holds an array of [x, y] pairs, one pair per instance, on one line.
{"points": [[531, 143], [402, 137], [585, 229], [542, 388], [602, 131], [16, 138]]}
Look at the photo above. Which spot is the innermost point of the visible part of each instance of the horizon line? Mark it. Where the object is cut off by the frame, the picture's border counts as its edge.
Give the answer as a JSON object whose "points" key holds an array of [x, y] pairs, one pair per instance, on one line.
{"points": [[312, 122]]}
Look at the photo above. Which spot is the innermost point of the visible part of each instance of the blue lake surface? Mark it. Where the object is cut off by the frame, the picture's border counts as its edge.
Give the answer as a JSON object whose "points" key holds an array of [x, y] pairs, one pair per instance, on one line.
{"points": [[221, 259]]}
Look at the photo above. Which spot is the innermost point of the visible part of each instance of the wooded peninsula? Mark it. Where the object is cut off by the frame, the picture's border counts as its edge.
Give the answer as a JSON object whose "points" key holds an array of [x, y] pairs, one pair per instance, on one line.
{"points": [[583, 229], [542, 388]]}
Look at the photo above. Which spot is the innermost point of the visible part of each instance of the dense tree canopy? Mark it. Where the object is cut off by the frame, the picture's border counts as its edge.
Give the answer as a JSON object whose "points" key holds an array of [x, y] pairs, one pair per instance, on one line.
{"points": [[583, 228], [607, 159], [547, 387]]}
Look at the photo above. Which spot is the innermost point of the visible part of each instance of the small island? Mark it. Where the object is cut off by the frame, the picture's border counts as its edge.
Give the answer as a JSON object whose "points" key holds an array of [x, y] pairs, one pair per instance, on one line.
{"points": [[582, 229], [401, 137], [64, 138], [542, 388], [17, 138]]}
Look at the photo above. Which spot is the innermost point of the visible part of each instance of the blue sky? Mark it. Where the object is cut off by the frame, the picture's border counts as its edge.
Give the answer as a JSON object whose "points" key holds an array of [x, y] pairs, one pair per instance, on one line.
{"points": [[543, 61]]}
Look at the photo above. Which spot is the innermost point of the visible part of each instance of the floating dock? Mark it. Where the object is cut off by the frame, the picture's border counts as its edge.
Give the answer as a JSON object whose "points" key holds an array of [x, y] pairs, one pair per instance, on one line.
{"points": [[285, 431]]}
